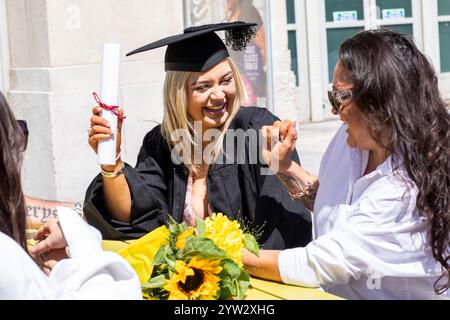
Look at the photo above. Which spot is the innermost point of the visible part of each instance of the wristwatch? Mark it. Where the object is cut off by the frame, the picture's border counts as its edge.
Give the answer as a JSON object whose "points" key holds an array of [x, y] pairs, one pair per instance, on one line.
{"points": [[78, 208]]}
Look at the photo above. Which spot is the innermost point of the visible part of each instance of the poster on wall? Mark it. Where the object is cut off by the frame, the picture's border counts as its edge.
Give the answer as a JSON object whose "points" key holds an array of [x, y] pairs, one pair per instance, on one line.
{"points": [[253, 62]]}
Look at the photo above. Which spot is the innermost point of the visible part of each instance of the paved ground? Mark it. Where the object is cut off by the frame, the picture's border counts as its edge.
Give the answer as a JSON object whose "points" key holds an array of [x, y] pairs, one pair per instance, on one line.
{"points": [[313, 141]]}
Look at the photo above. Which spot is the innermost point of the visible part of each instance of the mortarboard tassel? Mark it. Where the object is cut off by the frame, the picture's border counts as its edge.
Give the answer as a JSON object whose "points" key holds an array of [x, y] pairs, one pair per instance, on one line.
{"points": [[236, 36], [238, 39]]}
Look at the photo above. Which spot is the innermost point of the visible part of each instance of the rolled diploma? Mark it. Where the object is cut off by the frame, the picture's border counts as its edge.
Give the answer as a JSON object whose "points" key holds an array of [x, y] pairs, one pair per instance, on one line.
{"points": [[110, 97]]}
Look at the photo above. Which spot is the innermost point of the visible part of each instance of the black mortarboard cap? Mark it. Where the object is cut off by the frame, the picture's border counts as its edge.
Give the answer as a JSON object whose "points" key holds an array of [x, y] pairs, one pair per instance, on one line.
{"points": [[200, 48]]}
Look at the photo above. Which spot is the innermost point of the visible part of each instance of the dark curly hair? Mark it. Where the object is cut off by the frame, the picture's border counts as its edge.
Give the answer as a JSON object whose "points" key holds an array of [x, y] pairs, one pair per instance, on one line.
{"points": [[12, 201], [396, 88]]}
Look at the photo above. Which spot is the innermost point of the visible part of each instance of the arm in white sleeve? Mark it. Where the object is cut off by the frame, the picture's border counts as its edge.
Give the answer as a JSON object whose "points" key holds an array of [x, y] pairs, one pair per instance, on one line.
{"points": [[294, 268], [92, 273], [371, 236]]}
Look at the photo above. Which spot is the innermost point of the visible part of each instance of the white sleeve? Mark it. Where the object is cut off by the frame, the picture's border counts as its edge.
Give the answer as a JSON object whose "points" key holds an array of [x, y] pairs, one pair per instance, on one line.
{"points": [[294, 268], [91, 273], [371, 236], [20, 276]]}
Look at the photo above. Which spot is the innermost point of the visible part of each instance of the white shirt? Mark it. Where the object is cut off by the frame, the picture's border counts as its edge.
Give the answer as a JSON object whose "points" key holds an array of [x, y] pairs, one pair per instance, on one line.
{"points": [[370, 240], [91, 273]]}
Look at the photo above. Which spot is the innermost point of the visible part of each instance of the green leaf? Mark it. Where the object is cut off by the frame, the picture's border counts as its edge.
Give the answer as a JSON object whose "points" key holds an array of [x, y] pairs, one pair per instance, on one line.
{"points": [[156, 282], [228, 289], [250, 244], [183, 227], [160, 256], [174, 229], [234, 281], [169, 257], [200, 226], [168, 250], [243, 282], [231, 268], [171, 220], [202, 248]]}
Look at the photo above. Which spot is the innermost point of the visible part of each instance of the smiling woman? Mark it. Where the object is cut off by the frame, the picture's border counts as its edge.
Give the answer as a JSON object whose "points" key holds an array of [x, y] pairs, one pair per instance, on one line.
{"points": [[198, 101], [203, 93], [211, 96], [382, 198]]}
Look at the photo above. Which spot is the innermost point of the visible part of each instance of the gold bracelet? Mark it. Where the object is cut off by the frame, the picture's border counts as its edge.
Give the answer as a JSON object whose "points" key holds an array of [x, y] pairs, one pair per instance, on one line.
{"points": [[114, 174], [307, 191]]}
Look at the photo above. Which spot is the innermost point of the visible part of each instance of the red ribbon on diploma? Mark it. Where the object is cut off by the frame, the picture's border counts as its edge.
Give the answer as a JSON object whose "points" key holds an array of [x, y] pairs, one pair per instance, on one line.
{"points": [[113, 109]]}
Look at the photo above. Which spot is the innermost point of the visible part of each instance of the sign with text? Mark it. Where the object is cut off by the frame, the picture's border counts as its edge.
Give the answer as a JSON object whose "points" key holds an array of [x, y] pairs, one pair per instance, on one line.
{"points": [[339, 16], [393, 13]]}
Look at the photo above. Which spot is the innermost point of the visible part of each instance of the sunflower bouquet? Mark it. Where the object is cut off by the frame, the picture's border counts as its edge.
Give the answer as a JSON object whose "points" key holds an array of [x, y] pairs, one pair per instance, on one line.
{"points": [[179, 262]]}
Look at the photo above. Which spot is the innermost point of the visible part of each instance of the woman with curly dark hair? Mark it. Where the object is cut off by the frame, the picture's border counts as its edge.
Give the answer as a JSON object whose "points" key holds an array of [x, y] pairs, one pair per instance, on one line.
{"points": [[382, 198], [47, 271]]}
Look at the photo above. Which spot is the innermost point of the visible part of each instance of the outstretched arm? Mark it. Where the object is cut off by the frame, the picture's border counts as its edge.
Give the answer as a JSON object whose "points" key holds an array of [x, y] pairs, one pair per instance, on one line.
{"points": [[265, 266], [281, 139], [39, 210]]}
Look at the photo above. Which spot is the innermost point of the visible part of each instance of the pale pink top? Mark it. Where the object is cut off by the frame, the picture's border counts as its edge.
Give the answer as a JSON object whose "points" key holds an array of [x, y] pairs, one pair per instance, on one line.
{"points": [[188, 213]]}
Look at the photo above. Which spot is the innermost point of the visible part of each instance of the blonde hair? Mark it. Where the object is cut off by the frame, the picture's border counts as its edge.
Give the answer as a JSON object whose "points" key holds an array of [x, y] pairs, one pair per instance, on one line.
{"points": [[176, 116]]}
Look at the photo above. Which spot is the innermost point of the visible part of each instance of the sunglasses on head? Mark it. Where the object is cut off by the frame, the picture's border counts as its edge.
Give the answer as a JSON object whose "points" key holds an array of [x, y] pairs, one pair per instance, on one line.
{"points": [[339, 99]]}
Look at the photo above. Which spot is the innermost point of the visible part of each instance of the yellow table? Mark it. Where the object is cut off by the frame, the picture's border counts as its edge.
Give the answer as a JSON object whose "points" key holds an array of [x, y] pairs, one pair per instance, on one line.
{"points": [[260, 289]]}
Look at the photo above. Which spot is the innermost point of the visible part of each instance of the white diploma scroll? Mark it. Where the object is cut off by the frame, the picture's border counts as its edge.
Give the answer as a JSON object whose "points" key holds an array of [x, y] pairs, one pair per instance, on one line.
{"points": [[110, 97]]}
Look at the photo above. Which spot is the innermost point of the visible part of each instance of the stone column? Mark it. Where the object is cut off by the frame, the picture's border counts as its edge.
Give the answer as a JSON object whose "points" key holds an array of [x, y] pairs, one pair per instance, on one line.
{"points": [[55, 48], [285, 104]]}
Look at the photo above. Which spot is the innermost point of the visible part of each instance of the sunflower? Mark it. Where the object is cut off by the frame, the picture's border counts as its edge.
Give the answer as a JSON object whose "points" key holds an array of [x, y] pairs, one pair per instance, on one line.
{"points": [[181, 241], [196, 280], [227, 235]]}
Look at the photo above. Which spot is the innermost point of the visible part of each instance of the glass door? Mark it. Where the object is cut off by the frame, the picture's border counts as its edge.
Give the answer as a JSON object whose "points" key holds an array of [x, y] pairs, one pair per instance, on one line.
{"points": [[401, 16], [444, 35], [344, 18]]}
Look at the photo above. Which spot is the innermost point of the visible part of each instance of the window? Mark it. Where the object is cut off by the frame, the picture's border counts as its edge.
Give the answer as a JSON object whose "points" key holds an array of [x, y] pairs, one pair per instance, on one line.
{"points": [[292, 42], [335, 37], [292, 38], [402, 28], [290, 8], [444, 7], [396, 15], [444, 34], [344, 18], [344, 9], [394, 9]]}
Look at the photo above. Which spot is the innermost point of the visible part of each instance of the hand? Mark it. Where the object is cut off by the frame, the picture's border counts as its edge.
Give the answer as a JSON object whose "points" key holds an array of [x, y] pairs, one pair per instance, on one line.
{"points": [[101, 130], [50, 237], [47, 261], [281, 139]]}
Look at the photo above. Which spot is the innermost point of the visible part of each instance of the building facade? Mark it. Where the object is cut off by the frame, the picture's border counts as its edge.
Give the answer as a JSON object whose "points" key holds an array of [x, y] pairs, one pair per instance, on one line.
{"points": [[50, 56], [316, 28]]}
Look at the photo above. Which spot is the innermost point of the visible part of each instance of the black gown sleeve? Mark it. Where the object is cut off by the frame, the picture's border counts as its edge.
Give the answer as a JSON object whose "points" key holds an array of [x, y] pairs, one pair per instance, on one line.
{"points": [[287, 223], [148, 187]]}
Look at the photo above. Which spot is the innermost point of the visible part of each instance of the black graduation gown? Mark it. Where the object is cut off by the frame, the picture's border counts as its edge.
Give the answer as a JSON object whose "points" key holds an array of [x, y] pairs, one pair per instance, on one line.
{"points": [[158, 188]]}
